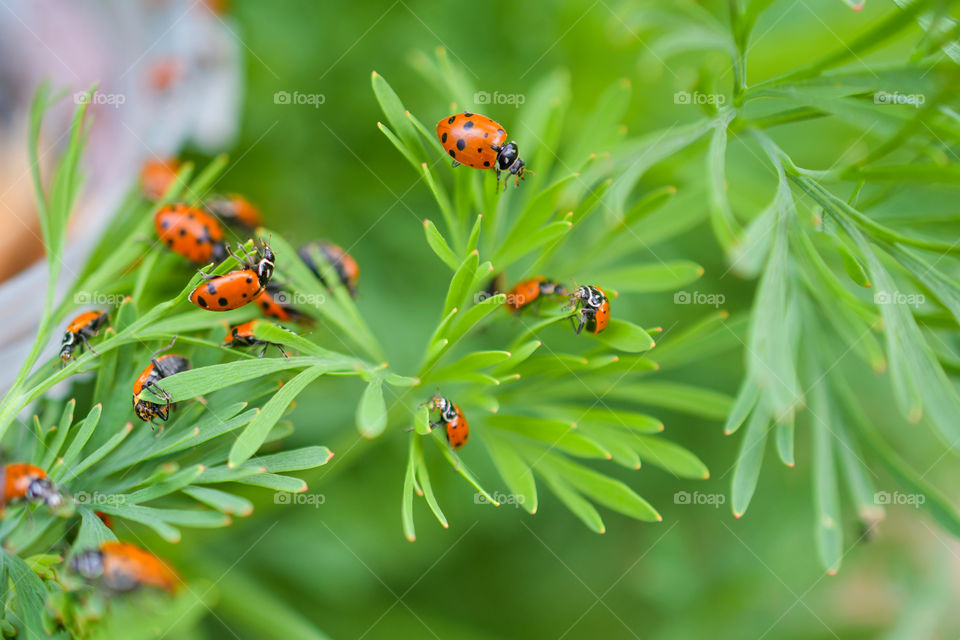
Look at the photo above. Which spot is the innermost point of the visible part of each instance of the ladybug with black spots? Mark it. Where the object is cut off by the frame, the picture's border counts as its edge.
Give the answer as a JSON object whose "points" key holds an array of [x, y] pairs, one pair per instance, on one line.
{"points": [[531, 291], [239, 287], [22, 481], [481, 143], [347, 268], [242, 336], [121, 567], [191, 233], [452, 420], [591, 308], [79, 331], [237, 210], [157, 370]]}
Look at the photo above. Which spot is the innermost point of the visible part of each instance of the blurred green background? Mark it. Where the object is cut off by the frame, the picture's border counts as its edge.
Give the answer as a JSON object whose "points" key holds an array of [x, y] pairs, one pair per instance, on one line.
{"points": [[501, 573]]}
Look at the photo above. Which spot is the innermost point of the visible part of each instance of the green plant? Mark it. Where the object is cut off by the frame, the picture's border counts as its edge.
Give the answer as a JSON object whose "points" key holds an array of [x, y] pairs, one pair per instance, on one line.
{"points": [[842, 254]]}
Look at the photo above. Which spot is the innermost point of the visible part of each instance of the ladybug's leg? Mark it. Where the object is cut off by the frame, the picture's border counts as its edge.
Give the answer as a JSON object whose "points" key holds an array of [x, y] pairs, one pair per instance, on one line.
{"points": [[153, 358], [282, 352], [455, 164], [266, 345], [158, 390], [83, 339]]}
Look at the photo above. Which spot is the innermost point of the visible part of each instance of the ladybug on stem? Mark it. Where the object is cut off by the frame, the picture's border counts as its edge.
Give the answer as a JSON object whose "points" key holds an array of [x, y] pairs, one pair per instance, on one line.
{"points": [[529, 291], [236, 288], [21, 481], [242, 336], [347, 269], [236, 209], [157, 176], [157, 370], [191, 233], [452, 420], [590, 304], [79, 331], [121, 567], [481, 143]]}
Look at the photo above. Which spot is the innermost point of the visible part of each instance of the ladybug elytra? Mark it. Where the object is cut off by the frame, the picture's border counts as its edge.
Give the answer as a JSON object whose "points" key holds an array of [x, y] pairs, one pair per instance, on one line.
{"points": [[481, 143]]}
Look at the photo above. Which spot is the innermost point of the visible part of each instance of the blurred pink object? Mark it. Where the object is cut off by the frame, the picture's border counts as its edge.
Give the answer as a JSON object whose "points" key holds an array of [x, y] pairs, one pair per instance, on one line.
{"points": [[169, 74]]}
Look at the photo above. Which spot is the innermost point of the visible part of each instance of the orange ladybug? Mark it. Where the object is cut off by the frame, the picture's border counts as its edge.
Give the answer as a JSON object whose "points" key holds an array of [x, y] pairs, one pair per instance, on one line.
{"points": [[121, 566], [82, 328], [529, 291], [21, 481], [157, 370], [451, 419], [592, 308], [271, 302], [481, 143], [191, 233], [157, 176], [237, 209], [347, 268], [237, 288], [242, 336]]}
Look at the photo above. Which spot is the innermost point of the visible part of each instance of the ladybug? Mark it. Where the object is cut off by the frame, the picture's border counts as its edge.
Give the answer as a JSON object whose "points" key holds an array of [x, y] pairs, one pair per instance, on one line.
{"points": [[272, 303], [191, 233], [242, 336], [105, 518], [347, 268], [592, 307], [529, 291], [84, 326], [21, 481], [481, 143], [451, 419], [237, 288], [121, 566], [158, 369], [157, 176], [236, 209]]}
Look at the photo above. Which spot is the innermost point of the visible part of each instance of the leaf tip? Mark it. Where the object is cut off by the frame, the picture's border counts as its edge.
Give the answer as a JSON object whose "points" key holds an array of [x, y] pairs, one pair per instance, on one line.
{"points": [[410, 537]]}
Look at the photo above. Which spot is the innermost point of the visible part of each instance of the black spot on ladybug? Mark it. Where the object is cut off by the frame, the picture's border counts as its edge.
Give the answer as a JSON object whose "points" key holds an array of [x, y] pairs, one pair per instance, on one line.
{"points": [[265, 304], [201, 240], [165, 224], [468, 124], [206, 229], [501, 131], [486, 163], [201, 302], [212, 288], [183, 232], [190, 215], [451, 152], [486, 134], [443, 138], [222, 302], [479, 149], [244, 295], [461, 144], [169, 242], [249, 280], [467, 114], [451, 119]]}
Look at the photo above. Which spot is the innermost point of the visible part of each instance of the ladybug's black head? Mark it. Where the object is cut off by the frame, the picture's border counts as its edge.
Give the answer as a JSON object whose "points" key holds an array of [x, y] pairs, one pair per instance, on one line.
{"points": [[265, 265], [66, 347], [508, 159], [88, 564], [147, 411], [42, 490]]}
